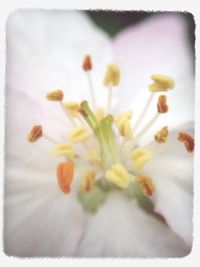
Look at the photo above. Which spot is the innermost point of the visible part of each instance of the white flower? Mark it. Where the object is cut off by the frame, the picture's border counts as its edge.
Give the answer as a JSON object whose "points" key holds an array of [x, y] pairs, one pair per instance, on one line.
{"points": [[45, 51]]}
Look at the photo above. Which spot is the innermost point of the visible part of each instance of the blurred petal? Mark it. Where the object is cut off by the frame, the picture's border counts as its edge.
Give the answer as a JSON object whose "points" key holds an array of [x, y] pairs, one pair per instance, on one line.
{"points": [[38, 216], [172, 173], [160, 44], [122, 229], [44, 52]]}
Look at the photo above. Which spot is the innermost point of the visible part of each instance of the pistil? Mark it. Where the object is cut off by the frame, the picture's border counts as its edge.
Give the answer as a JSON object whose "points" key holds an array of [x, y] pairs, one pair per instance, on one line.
{"points": [[104, 134]]}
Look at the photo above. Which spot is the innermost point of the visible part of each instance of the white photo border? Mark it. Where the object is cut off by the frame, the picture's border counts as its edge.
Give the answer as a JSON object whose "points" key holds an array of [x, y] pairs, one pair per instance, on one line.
{"points": [[7, 7]]}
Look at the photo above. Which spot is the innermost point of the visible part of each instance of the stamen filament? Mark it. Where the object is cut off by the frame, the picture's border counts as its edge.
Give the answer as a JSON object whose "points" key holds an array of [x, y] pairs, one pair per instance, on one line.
{"points": [[144, 111], [68, 116], [91, 89], [50, 139], [145, 129], [109, 100]]}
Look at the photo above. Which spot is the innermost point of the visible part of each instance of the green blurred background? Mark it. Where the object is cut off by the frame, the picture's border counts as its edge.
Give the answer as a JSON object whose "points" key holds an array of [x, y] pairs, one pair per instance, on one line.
{"points": [[114, 21]]}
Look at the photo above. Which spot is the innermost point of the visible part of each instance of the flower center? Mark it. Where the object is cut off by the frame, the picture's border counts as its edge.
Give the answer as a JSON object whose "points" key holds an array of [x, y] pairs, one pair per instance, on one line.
{"points": [[104, 139]]}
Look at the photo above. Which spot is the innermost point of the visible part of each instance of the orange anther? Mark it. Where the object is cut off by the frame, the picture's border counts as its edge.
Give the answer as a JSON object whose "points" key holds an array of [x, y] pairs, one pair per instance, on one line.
{"points": [[87, 63], [146, 184], [35, 133], [187, 140], [161, 136], [65, 173], [162, 104]]}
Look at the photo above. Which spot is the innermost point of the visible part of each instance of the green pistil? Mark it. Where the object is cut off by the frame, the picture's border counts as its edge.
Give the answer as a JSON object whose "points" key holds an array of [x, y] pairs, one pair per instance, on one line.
{"points": [[88, 115], [104, 134], [109, 137]]}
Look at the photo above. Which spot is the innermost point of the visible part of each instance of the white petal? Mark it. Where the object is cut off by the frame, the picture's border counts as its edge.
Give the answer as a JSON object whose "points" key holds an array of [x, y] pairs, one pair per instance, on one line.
{"points": [[172, 173], [39, 220], [160, 44], [38, 217], [44, 52], [122, 229]]}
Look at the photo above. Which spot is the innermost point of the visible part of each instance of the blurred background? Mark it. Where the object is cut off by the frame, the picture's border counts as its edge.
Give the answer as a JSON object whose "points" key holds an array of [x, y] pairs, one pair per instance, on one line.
{"points": [[114, 21]]}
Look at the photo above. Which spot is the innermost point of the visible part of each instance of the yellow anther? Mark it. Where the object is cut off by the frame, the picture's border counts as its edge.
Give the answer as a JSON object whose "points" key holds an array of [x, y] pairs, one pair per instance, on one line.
{"points": [[124, 127], [55, 95], [80, 134], [35, 133], [145, 182], [118, 175], [123, 123], [63, 149], [161, 136], [162, 104], [87, 63], [140, 157], [100, 113], [94, 157], [162, 83], [112, 75], [73, 108], [126, 114], [88, 181], [128, 133]]}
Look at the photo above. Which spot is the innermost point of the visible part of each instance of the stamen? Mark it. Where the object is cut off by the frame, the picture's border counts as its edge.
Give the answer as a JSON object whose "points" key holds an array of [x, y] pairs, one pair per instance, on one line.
{"points": [[162, 104], [100, 113], [87, 63], [63, 149], [79, 135], [161, 136], [140, 157], [109, 101], [145, 129], [65, 173], [144, 111], [50, 139], [35, 133], [118, 175], [73, 108], [112, 75], [162, 108], [128, 133], [55, 95], [126, 114], [123, 123], [88, 181], [73, 123], [87, 66], [111, 78], [94, 157], [187, 140], [162, 83], [145, 182]]}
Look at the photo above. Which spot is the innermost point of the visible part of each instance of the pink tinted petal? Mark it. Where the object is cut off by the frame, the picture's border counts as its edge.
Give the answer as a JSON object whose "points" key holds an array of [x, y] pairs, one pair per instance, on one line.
{"points": [[172, 174], [160, 44], [45, 50]]}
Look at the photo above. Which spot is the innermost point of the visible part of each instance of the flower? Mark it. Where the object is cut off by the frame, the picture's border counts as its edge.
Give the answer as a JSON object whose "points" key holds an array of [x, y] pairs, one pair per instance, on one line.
{"points": [[79, 213]]}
